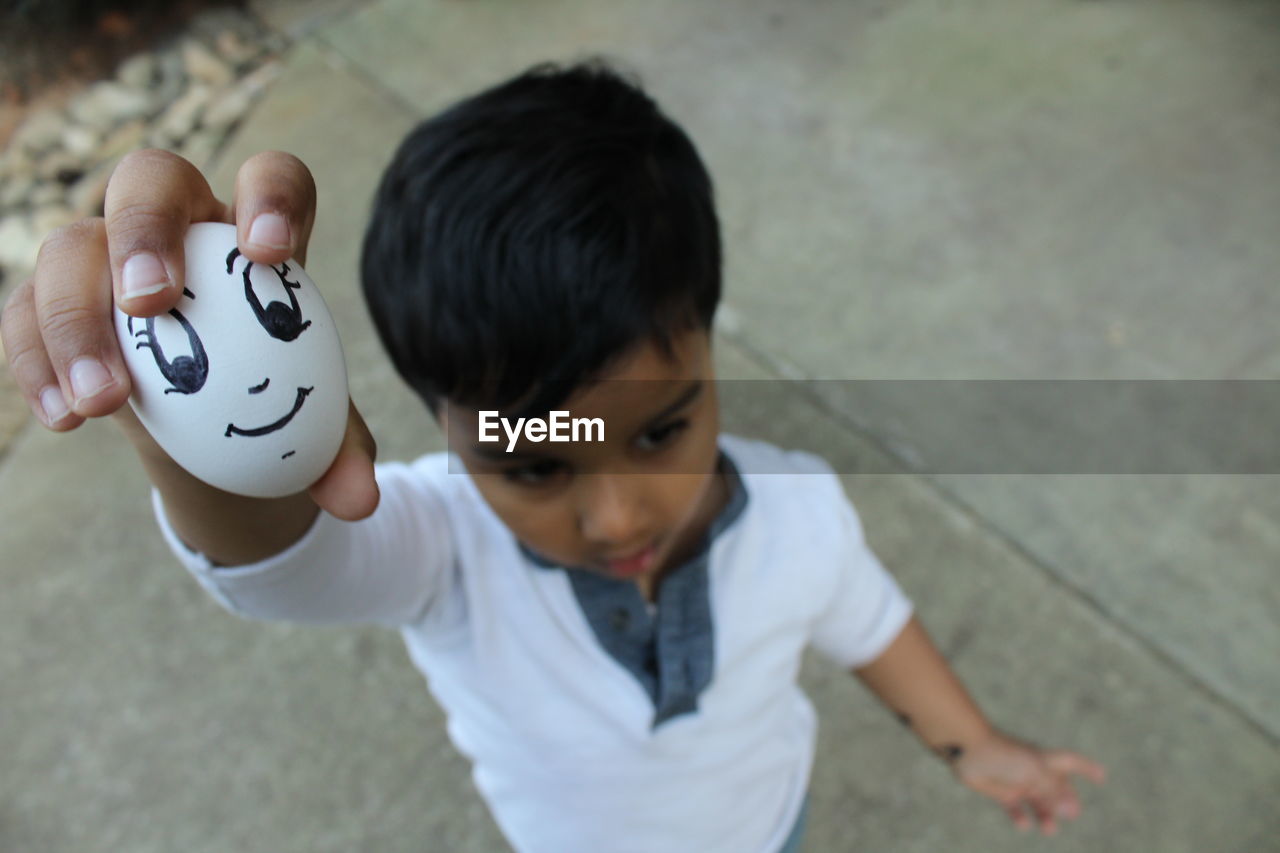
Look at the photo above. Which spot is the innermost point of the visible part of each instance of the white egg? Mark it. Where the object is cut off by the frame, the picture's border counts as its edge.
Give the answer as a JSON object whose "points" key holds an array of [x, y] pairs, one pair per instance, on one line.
{"points": [[243, 383]]}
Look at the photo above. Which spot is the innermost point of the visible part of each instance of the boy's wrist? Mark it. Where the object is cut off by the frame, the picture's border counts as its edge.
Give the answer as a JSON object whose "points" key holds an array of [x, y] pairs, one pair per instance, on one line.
{"points": [[228, 529], [951, 741], [951, 750]]}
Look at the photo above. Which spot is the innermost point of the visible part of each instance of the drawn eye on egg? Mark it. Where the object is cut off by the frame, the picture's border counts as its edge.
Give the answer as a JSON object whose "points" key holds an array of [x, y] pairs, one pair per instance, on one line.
{"points": [[282, 322], [186, 374]]}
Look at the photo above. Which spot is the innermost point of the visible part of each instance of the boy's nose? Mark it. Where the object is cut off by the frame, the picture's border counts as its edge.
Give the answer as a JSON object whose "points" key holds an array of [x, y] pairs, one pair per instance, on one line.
{"points": [[611, 513]]}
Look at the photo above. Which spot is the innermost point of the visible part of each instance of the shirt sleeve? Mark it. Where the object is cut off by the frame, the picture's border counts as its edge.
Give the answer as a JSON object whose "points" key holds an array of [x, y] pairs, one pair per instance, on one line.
{"points": [[387, 569], [867, 609]]}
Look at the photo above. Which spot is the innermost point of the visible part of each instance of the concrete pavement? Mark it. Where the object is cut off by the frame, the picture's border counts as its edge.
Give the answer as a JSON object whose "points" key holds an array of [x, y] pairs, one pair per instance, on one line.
{"points": [[1047, 189]]}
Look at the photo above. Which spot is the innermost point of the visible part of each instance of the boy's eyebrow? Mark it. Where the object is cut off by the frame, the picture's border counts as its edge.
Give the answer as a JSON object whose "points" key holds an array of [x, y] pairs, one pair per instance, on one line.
{"points": [[686, 397]]}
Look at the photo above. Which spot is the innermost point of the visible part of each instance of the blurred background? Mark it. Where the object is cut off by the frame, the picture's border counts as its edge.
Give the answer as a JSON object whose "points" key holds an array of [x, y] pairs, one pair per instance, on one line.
{"points": [[909, 189]]}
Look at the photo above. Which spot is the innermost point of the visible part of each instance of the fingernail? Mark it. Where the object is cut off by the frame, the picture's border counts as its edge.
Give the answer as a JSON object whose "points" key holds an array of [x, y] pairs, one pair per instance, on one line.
{"points": [[143, 274], [88, 377], [270, 231], [55, 408]]}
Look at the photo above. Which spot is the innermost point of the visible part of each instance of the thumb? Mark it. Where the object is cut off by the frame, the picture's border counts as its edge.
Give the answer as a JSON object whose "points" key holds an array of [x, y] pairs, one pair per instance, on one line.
{"points": [[348, 489]]}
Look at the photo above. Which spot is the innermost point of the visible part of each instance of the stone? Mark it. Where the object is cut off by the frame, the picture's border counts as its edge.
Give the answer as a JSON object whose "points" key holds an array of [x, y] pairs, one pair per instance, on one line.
{"points": [[85, 197], [235, 48], [16, 189], [108, 103], [171, 77], [19, 244], [80, 140], [205, 65], [119, 142], [16, 161], [52, 216], [200, 147], [258, 79], [40, 132], [139, 71], [59, 165], [45, 193], [182, 116], [274, 42], [212, 22], [228, 108]]}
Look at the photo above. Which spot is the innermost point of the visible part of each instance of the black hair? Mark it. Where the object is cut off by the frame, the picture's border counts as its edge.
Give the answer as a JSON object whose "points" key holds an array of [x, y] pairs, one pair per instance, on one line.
{"points": [[529, 235]]}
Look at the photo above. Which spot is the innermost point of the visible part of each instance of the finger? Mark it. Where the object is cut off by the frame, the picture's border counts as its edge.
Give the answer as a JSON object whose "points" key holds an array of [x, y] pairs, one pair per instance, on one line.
{"points": [[999, 791], [275, 205], [1067, 803], [1044, 816], [151, 198], [1053, 796], [29, 363], [72, 303], [1064, 762], [348, 489], [1018, 814]]}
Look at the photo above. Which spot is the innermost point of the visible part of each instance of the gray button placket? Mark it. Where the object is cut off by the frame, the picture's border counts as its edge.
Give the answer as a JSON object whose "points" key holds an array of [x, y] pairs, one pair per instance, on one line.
{"points": [[685, 641], [672, 656], [618, 617]]}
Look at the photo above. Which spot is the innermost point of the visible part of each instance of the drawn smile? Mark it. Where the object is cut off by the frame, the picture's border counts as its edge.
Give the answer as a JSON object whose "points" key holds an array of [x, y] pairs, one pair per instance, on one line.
{"points": [[232, 429]]}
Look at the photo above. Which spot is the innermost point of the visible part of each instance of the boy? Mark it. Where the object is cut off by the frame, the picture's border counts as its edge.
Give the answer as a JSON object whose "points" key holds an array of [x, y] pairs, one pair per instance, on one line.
{"points": [[613, 627]]}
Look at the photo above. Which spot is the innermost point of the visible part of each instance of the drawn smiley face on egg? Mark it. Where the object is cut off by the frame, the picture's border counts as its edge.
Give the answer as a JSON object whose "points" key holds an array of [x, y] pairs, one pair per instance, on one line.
{"points": [[243, 383]]}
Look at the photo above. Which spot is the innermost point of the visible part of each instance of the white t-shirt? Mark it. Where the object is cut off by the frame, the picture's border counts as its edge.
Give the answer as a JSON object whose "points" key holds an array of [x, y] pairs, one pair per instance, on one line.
{"points": [[560, 735]]}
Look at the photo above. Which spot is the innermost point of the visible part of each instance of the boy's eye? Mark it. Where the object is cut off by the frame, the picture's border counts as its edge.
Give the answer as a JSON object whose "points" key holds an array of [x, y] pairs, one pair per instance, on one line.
{"points": [[535, 473], [661, 436]]}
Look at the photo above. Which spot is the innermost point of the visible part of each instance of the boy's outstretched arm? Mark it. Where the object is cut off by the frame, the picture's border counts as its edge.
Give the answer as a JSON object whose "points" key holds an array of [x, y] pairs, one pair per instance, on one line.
{"points": [[913, 679]]}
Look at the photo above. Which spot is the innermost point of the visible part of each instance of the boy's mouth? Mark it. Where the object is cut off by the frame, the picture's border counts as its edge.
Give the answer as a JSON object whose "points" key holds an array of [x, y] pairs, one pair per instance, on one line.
{"points": [[635, 563]]}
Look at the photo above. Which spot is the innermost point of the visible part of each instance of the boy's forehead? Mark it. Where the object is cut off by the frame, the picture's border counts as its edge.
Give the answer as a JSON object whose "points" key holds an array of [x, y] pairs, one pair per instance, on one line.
{"points": [[687, 357], [644, 379]]}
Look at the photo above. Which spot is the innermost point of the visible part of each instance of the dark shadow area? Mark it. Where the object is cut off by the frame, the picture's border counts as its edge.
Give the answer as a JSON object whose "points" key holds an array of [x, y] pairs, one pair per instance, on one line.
{"points": [[46, 42]]}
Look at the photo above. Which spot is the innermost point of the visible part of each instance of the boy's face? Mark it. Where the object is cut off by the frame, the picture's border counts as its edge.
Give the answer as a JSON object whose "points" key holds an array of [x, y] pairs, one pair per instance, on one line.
{"points": [[629, 506]]}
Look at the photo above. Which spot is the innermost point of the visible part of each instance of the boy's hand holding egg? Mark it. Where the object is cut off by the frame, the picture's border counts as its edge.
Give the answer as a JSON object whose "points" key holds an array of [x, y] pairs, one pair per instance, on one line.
{"points": [[220, 341]]}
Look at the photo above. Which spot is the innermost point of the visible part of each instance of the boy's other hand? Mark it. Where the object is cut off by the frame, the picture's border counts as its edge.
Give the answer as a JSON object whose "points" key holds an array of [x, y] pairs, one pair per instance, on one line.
{"points": [[1030, 783]]}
